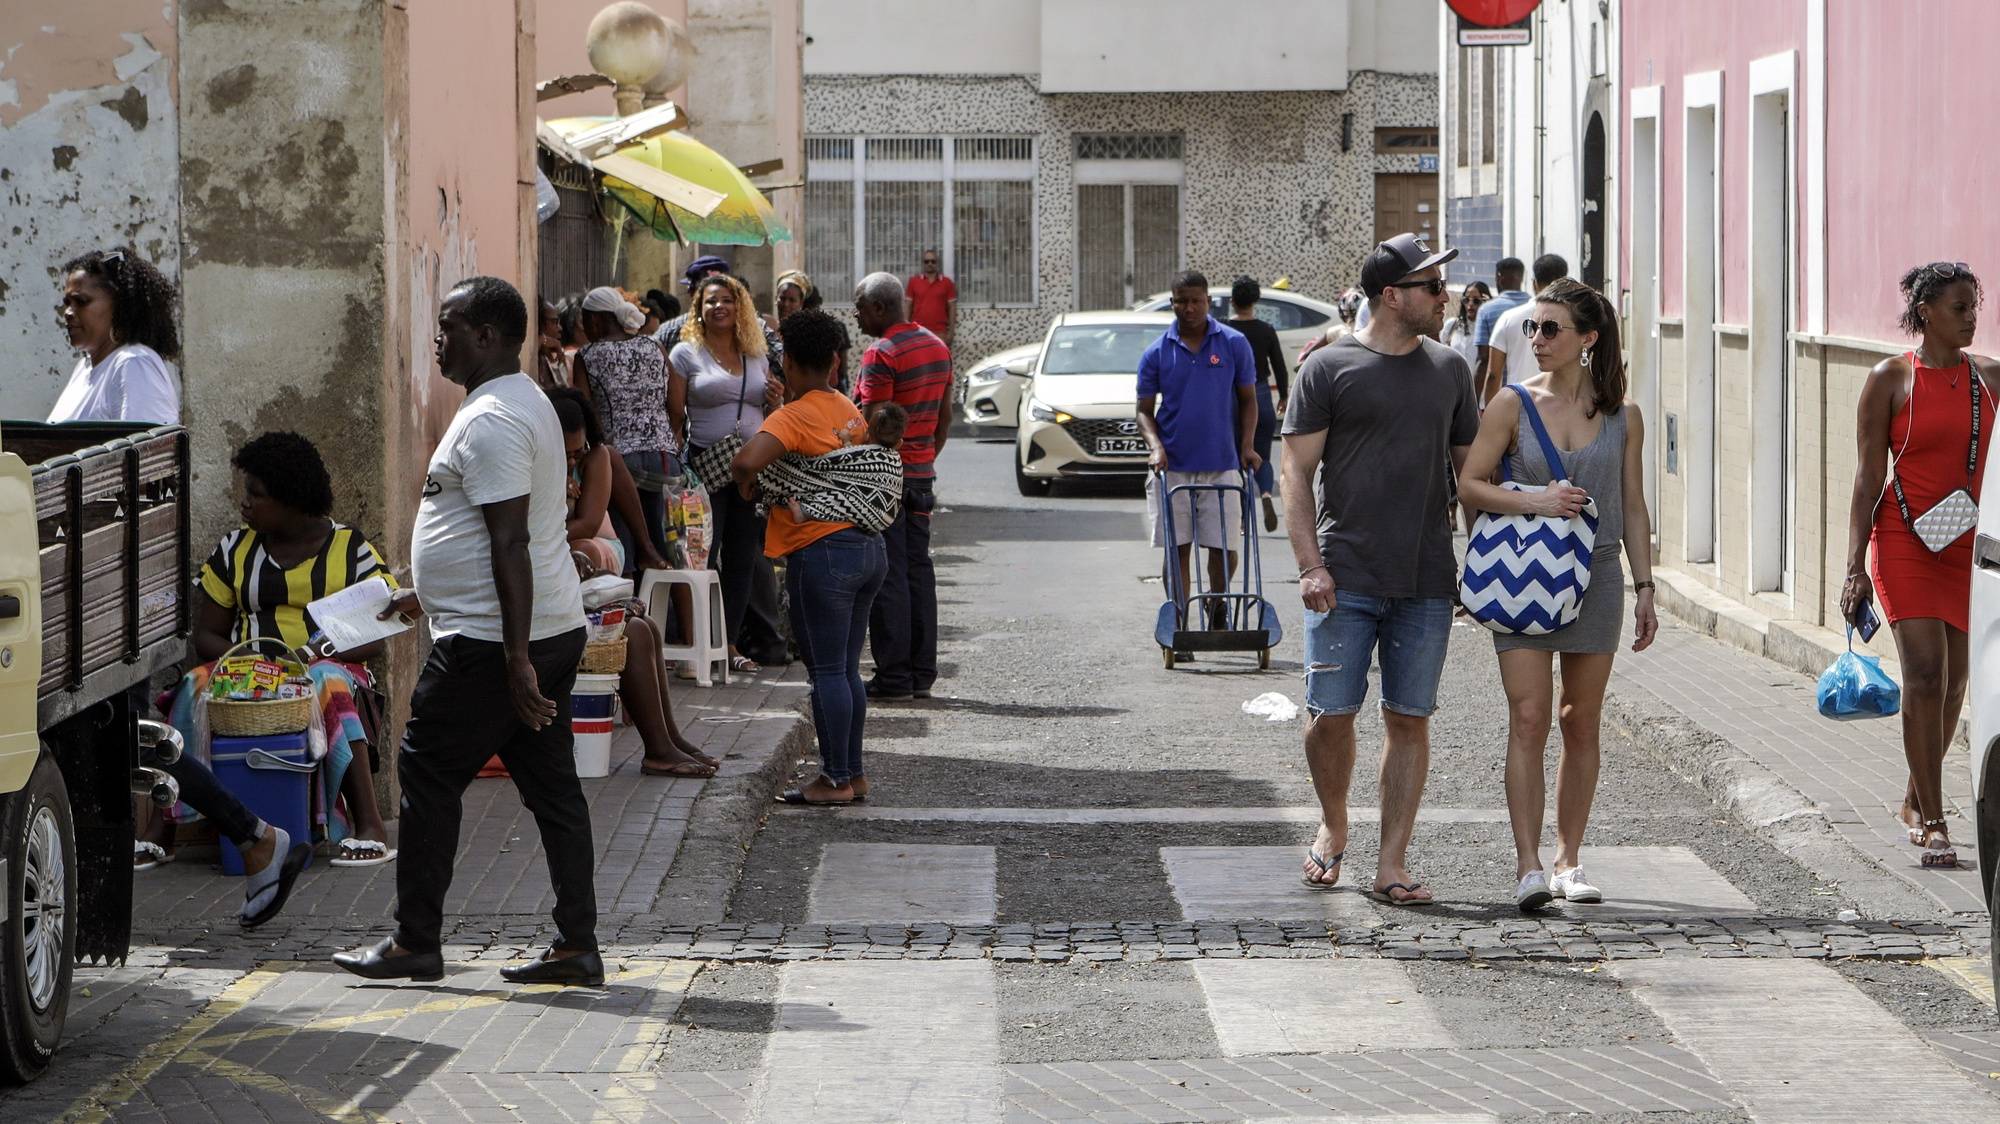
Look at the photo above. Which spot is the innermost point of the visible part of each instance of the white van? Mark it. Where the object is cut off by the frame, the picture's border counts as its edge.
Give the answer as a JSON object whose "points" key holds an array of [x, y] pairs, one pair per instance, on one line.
{"points": [[1985, 691]]}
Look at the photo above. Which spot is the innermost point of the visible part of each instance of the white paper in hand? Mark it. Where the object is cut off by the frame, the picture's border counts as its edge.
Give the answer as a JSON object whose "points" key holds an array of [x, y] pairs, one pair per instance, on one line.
{"points": [[349, 619]]}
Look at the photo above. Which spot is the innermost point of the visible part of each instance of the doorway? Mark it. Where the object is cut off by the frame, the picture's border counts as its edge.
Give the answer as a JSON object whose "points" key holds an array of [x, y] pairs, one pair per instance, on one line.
{"points": [[1128, 242], [1771, 532], [1406, 203], [1697, 430], [1593, 251]]}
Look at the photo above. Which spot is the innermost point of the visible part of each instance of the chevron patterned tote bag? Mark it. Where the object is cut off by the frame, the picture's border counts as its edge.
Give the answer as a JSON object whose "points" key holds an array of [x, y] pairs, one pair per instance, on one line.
{"points": [[1526, 574]]}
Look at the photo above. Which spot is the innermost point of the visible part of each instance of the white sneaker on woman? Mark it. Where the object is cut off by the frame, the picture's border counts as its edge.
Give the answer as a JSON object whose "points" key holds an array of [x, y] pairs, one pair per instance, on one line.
{"points": [[1571, 886], [1533, 892]]}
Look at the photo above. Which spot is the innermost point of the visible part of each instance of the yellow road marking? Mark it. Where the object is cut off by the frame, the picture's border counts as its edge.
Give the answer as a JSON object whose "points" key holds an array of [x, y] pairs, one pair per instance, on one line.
{"points": [[1972, 973], [343, 1112], [92, 1107]]}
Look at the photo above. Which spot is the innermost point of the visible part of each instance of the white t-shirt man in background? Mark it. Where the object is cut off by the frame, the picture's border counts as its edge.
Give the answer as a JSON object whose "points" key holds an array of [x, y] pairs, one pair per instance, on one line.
{"points": [[490, 560], [1514, 358]]}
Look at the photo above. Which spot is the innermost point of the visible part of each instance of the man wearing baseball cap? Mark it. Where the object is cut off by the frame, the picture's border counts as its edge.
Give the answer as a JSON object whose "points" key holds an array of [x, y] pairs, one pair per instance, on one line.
{"points": [[1385, 416]]}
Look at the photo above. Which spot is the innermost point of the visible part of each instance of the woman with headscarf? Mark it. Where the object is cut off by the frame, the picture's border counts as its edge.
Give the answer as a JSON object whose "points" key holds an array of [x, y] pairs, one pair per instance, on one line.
{"points": [[625, 375], [717, 396], [118, 310]]}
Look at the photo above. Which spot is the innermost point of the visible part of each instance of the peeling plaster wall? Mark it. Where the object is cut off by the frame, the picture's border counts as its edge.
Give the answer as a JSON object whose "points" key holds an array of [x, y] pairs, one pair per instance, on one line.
{"points": [[283, 227], [88, 152]]}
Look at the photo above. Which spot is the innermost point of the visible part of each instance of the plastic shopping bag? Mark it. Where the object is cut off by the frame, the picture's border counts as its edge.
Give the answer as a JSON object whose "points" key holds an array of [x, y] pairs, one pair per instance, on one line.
{"points": [[1857, 687]]}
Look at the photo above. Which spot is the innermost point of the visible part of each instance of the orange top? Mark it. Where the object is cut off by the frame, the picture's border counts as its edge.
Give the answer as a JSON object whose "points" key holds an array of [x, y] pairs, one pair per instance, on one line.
{"points": [[819, 423]]}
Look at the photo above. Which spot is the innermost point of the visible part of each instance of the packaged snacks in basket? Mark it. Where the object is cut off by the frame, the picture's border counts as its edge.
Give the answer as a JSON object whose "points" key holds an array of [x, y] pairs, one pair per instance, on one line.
{"points": [[607, 623]]}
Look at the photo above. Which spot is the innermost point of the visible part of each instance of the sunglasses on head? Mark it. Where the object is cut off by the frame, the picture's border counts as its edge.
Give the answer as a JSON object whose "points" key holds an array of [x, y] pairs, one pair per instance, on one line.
{"points": [[1948, 271], [1435, 286], [1547, 329]]}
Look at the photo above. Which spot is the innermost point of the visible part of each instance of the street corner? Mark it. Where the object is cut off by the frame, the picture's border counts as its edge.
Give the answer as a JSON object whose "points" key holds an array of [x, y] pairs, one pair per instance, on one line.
{"points": [[292, 1040]]}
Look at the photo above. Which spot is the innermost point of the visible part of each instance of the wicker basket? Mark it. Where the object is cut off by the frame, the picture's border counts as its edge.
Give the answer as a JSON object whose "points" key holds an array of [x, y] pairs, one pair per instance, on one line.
{"points": [[603, 657], [239, 718]]}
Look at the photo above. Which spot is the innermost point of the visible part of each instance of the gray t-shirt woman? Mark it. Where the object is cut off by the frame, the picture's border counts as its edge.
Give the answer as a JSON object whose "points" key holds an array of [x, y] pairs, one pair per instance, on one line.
{"points": [[720, 401]]}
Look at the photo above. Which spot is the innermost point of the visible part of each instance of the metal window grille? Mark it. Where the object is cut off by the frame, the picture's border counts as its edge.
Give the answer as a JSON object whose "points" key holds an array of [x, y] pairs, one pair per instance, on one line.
{"points": [[1156, 236], [993, 240], [975, 200], [575, 244], [1100, 245], [1128, 146], [830, 234]]}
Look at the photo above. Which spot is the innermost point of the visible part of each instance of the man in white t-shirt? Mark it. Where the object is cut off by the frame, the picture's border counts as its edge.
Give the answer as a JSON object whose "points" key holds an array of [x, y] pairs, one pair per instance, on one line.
{"points": [[1515, 358], [490, 560]]}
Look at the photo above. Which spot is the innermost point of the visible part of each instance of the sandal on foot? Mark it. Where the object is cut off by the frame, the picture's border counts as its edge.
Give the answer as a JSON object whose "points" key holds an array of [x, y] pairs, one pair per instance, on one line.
{"points": [[1315, 881], [744, 665], [1387, 894], [264, 892], [146, 856], [699, 770], [1936, 855], [362, 852]]}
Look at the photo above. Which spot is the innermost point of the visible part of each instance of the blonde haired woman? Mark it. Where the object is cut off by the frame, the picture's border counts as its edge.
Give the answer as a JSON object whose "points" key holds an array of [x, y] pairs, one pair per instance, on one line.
{"points": [[719, 386]]}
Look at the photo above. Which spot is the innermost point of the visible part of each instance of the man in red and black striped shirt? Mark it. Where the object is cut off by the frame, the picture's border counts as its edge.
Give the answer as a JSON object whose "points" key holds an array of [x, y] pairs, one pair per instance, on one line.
{"points": [[912, 368]]}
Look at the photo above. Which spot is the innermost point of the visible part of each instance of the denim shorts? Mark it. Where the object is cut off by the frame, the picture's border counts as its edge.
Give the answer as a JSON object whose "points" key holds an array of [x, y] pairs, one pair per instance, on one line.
{"points": [[1410, 633]]}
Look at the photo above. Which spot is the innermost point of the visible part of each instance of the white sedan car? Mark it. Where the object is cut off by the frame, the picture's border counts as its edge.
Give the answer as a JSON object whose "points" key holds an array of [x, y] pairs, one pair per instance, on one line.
{"points": [[1079, 414], [992, 390], [1299, 320]]}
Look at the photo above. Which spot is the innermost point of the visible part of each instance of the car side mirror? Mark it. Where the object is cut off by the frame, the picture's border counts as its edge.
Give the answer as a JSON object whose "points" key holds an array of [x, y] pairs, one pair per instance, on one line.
{"points": [[1022, 367]]}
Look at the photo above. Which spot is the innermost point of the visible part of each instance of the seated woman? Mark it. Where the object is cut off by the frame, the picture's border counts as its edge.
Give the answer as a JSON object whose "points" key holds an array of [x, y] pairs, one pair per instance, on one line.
{"points": [[257, 583]]}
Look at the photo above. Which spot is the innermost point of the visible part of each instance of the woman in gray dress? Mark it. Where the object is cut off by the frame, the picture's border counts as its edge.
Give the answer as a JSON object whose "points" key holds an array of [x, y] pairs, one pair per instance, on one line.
{"points": [[1580, 395]]}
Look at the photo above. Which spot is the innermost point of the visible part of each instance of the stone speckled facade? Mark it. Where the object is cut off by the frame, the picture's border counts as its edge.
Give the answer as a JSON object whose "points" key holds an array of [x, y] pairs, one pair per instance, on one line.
{"points": [[1268, 192]]}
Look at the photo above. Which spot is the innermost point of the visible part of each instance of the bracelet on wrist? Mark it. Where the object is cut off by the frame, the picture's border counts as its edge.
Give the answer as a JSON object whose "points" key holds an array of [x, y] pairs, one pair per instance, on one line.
{"points": [[1647, 584], [1310, 569]]}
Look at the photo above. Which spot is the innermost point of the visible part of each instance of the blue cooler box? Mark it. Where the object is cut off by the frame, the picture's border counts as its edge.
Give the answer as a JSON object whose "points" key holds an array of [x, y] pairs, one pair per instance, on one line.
{"points": [[272, 775]]}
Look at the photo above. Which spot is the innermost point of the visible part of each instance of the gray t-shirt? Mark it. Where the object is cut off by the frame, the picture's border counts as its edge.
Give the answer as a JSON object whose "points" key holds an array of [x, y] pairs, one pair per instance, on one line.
{"points": [[1385, 478]]}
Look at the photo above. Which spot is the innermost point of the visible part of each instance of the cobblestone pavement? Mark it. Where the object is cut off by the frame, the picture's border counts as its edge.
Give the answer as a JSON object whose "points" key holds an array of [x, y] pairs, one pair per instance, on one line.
{"points": [[1073, 896]]}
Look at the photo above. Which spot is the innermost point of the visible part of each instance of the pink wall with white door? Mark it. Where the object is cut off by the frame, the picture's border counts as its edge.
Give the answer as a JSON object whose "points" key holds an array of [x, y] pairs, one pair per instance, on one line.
{"points": [[1661, 43]]}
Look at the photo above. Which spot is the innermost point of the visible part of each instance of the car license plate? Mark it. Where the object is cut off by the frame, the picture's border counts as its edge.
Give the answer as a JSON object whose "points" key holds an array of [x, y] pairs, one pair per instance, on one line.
{"points": [[1120, 446]]}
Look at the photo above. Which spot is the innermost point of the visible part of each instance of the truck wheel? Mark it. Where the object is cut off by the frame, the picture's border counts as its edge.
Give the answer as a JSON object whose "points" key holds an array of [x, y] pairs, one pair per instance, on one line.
{"points": [[38, 938]]}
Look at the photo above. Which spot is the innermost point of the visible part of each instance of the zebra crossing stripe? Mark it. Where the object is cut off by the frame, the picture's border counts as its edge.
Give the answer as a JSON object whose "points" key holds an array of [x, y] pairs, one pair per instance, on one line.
{"points": [[1657, 882], [1797, 1044], [1237, 883], [874, 1040], [894, 883], [1316, 1007]]}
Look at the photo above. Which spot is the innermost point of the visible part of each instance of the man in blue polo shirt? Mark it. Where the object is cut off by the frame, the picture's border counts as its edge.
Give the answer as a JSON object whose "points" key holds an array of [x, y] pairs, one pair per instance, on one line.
{"points": [[1198, 413]]}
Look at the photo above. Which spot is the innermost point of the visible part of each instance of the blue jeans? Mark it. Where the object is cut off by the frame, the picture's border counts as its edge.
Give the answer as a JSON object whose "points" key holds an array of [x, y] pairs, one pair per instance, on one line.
{"points": [[833, 583], [1410, 633], [1267, 431]]}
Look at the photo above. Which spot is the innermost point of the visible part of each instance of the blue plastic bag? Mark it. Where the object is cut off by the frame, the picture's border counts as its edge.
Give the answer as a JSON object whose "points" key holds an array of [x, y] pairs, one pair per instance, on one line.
{"points": [[1857, 687]]}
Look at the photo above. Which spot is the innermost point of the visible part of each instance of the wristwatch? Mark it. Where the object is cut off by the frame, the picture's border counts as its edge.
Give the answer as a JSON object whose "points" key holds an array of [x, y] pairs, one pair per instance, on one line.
{"points": [[1647, 584]]}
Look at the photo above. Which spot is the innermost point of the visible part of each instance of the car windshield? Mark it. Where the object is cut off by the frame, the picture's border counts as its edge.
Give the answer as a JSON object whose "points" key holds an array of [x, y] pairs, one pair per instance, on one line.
{"points": [[1096, 349]]}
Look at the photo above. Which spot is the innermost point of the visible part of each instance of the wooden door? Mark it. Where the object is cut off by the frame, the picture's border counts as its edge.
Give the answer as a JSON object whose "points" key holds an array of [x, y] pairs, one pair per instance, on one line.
{"points": [[1406, 202]]}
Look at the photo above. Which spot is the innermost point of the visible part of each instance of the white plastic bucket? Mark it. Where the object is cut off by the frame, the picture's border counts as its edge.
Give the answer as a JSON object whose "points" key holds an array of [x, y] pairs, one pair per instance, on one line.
{"points": [[593, 712]]}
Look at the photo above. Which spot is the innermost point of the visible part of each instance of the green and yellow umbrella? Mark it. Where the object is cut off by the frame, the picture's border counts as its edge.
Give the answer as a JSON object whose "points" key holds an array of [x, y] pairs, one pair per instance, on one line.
{"points": [[742, 217]]}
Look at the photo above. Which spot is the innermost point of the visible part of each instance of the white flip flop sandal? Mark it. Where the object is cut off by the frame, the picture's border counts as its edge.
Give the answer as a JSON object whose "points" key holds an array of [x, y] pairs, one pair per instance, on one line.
{"points": [[363, 852], [156, 855]]}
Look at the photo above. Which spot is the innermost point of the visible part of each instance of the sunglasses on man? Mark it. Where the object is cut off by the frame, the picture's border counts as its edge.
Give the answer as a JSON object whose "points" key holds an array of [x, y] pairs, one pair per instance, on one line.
{"points": [[1434, 286]]}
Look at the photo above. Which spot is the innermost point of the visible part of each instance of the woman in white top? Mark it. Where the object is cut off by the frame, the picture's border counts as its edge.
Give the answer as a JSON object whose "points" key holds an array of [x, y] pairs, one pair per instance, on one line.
{"points": [[1457, 333], [118, 310], [718, 387]]}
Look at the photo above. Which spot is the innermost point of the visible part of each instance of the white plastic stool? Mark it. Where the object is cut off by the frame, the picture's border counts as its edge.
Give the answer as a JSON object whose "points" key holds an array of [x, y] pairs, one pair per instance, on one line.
{"points": [[709, 634]]}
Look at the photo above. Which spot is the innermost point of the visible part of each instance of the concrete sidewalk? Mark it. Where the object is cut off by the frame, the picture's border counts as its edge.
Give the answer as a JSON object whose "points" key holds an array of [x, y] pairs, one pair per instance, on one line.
{"points": [[639, 824], [1773, 760]]}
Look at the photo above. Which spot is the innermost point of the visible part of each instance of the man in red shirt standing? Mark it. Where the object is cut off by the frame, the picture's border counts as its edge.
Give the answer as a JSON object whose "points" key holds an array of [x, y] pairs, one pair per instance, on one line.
{"points": [[910, 366], [934, 298]]}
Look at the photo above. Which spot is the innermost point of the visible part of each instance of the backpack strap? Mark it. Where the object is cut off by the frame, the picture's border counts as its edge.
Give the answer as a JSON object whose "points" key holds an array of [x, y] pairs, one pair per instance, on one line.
{"points": [[1550, 453]]}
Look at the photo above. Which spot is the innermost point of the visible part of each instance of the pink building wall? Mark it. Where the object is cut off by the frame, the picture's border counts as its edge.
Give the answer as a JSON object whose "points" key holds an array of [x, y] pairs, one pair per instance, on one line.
{"points": [[1909, 156], [1661, 43]]}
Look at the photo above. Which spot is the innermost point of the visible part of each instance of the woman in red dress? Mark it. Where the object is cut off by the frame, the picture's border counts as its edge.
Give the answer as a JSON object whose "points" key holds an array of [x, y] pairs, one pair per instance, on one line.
{"points": [[1929, 413]]}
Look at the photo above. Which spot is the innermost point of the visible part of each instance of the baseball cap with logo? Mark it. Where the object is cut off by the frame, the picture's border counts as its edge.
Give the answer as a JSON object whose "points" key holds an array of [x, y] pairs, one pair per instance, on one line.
{"points": [[1391, 261]]}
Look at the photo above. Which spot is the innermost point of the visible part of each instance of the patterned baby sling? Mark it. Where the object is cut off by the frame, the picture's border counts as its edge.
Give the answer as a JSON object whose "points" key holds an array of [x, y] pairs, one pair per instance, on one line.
{"points": [[1527, 574], [861, 484]]}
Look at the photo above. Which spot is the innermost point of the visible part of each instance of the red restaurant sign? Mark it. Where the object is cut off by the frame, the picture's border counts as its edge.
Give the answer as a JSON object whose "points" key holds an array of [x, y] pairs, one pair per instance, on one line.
{"points": [[1494, 23]]}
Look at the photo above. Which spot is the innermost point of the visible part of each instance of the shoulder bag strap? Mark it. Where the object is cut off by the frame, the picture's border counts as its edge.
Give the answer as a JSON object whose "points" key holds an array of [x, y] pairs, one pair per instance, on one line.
{"points": [[1550, 453], [1978, 401]]}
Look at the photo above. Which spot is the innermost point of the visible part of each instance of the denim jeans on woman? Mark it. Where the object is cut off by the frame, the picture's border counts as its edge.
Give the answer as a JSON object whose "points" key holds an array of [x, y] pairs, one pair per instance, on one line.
{"points": [[832, 583]]}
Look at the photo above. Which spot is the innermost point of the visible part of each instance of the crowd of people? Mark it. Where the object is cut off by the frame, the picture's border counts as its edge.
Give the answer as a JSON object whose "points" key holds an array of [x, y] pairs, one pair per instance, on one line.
{"points": [[541, 482]]}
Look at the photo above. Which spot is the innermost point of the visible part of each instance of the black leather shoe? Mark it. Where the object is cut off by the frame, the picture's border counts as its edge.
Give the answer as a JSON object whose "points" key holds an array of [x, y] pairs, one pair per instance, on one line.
{"points": [[375, 963], [583, 970], [877, 690]]}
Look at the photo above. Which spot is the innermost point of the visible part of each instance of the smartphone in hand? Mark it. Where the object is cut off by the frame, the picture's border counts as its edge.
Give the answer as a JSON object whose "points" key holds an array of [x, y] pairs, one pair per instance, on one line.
{"points": [[1866, 622]]}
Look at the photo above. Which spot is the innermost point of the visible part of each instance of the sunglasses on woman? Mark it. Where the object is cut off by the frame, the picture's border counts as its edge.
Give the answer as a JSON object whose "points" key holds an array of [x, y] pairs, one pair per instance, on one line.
{"points": [[1547, 329]]}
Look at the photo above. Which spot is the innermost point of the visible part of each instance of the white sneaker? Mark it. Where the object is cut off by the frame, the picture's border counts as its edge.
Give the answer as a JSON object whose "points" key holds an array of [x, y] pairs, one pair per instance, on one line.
{"points": [[1571, 886], [1533, 892]]}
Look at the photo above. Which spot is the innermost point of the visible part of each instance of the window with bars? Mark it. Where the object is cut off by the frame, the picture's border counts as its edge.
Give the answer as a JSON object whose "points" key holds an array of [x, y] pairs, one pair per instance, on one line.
{"points": [[876, 203]]}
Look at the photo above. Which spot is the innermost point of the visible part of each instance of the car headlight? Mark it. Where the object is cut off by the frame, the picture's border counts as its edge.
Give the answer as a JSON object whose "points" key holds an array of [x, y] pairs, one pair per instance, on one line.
{"points": [[1042, 411], [986, 375]]}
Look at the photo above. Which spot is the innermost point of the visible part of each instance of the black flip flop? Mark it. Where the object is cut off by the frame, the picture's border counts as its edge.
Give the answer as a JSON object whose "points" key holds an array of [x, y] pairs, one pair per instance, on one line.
{"points": [[288, 876]]}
